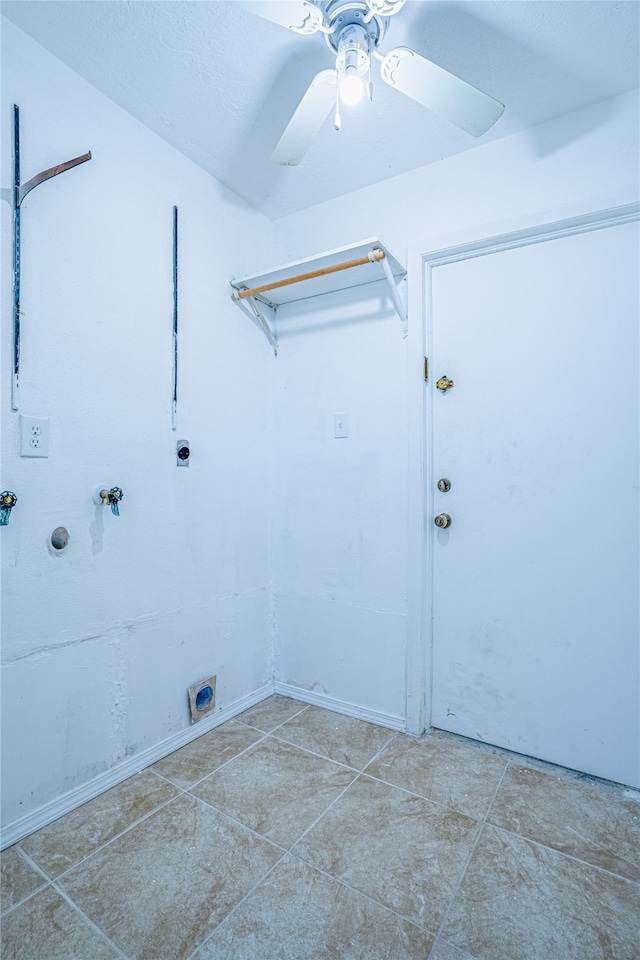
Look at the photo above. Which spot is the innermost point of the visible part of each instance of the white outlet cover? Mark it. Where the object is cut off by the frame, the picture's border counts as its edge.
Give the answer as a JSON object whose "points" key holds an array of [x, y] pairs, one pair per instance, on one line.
{"points": [[34, 436]]}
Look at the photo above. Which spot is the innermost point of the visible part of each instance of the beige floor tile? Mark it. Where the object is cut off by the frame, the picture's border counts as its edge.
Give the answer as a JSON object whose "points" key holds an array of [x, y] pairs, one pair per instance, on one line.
{"points": [[205, 754], [591, 821], [58, 846], [276, 789], [405, 852], [161, 888], [335, 736], [455, 774], [300, 914], [18, 878], [521, 901], [45, 927], [270, 713]]}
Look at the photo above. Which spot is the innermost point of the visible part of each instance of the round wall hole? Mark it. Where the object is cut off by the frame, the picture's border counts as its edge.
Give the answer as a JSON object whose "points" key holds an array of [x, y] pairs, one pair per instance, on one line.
{"points": [[204, 698], [60, 539]]}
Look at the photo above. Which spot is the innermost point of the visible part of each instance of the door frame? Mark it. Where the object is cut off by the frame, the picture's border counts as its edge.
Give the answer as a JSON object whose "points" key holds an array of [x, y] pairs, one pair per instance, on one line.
{"points": [[422, 262]]}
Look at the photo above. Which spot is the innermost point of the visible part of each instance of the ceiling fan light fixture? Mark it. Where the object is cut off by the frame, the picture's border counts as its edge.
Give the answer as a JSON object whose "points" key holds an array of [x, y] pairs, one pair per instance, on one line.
{"points": [[352, 63], [351, 88]]}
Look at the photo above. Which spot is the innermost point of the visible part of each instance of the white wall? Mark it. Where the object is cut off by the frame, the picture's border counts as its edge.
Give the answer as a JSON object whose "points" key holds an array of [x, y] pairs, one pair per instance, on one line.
{"points": [[100, 645], [340, 512], [347, 543]]}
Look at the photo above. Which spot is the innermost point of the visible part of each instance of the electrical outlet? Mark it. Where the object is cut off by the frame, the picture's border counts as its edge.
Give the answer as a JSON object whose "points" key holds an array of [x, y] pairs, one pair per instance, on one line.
{"points": [[34, 436], [183, 452]]}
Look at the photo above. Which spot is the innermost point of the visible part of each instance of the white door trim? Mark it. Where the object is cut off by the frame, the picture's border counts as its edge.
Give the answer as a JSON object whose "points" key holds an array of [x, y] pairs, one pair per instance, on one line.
{"points": [[420, 533]]}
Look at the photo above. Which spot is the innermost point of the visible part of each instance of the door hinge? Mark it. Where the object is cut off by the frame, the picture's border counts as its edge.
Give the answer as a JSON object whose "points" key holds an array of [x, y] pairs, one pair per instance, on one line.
{"points": [[426, 368]]}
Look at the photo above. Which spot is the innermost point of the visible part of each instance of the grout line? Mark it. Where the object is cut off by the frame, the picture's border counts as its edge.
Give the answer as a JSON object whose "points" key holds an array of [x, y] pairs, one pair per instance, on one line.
{"points": [[239, 823], [34, 866], [562, 853], [421, 796], [324, 813], [495, 793], [275, 843], [361, 893], [62, 893], [164, 779], [319, 756], [60, 876], [302, 709], [238, 904], [290, 853], [482, 824], [225, 763], [383, 748], [547, 846], [323, 756], [55, 876]]}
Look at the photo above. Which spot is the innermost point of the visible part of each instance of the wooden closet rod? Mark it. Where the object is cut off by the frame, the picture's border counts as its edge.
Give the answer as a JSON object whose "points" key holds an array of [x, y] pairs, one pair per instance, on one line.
{"points": [[374, 255]]}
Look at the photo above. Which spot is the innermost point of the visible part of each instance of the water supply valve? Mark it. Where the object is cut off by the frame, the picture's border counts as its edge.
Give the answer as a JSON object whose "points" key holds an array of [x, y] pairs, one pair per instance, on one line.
{"points": [[111, 496], [8, 501]]}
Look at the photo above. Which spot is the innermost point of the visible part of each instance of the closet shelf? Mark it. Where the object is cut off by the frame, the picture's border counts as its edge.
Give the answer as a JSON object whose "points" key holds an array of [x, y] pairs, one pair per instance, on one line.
{"points": [[355, 265]]}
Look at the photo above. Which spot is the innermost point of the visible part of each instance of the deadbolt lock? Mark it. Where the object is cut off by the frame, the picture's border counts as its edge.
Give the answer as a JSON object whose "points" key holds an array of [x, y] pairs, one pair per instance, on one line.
{"points": [[443, 520], [444, 384], [444, 485]]}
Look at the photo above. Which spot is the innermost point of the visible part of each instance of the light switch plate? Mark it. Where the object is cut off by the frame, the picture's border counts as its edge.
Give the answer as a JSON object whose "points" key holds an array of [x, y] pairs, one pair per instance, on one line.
{"points": [[341, 425]]}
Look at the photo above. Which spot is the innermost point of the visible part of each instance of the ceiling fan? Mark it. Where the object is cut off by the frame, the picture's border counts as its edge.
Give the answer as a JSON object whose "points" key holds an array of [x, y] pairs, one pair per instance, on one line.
{"points": [[353, 30]]}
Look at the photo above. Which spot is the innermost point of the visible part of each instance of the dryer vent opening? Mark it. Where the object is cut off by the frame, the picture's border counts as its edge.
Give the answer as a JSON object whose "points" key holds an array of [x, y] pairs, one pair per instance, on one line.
{"points": [[202, 698]]}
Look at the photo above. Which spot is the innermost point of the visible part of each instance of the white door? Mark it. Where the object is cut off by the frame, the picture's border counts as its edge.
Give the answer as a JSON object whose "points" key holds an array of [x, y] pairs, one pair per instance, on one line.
{"points": [[535, 589]]}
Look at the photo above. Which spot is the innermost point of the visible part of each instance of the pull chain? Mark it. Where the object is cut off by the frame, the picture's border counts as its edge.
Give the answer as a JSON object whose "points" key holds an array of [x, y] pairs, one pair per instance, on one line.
{"points": [[337, 121]]}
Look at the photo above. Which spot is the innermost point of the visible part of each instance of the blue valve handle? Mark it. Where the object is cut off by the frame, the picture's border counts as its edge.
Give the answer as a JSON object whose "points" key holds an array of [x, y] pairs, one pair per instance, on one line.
{"points": [[115, 496], [8, 501]]}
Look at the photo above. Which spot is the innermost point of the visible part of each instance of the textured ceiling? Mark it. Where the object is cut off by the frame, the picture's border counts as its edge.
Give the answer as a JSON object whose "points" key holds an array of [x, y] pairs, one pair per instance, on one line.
{"points": [[221, 84]]}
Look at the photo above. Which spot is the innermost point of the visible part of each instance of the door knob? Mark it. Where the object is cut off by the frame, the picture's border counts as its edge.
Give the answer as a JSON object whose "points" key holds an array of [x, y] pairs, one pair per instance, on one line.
{"points": [[444, 384], [443, 520]]}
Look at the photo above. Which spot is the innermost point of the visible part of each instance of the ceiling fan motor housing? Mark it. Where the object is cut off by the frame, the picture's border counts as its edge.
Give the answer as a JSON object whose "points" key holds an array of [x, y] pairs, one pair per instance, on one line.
{"points": [[368, 30]]}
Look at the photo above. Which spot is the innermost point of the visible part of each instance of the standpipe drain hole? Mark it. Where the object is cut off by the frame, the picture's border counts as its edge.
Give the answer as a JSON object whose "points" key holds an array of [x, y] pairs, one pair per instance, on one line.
{"points": [[59, 539]]}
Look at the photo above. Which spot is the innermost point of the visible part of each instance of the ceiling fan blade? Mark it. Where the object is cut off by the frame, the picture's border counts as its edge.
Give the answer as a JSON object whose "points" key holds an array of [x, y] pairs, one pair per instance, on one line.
{"points": [[440, 91], [313, 110], [301, 16], [385, 8]]}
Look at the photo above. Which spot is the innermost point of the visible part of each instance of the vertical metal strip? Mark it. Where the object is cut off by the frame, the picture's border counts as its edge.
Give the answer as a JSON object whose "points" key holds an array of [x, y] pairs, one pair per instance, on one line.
{"points": [[174, 404], [16, 259]]}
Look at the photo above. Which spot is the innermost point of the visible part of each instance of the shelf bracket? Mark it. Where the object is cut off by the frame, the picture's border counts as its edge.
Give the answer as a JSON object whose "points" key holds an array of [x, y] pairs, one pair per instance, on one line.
{"points": [[258, 315], [19, 193], [395, 294]]}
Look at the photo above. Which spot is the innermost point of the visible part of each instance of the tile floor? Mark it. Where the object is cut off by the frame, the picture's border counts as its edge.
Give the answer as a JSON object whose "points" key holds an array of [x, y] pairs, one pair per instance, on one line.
{"points": [[294, 833]]}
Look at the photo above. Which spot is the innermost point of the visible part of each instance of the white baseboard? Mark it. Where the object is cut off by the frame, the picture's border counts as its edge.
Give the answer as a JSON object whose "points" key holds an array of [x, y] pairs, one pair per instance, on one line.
{"points": [[12, 832], [341, 706]]}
